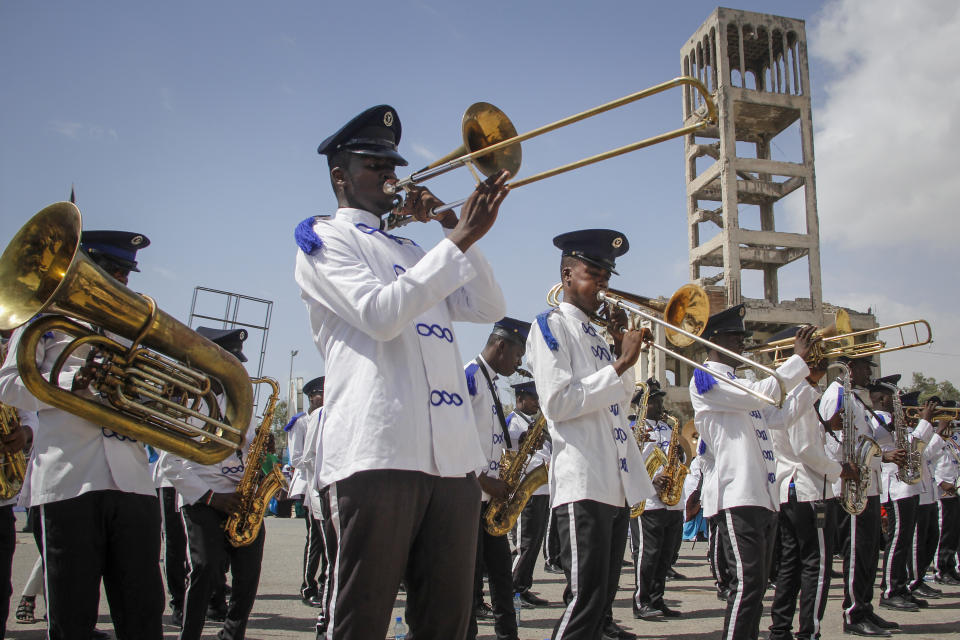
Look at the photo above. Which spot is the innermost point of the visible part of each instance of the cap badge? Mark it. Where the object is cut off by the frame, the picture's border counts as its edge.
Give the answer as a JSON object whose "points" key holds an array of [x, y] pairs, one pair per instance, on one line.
{"points": [[388, 119], [617, 242], [136, 240]]}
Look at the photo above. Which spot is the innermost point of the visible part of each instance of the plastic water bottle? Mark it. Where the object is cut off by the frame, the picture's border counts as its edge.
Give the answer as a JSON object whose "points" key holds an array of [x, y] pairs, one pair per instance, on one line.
{"points": [[399, 629], [517, 605]]}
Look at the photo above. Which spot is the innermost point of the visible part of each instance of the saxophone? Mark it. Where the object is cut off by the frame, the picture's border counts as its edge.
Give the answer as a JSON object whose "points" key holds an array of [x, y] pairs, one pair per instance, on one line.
{"points": [[13, 466], [255, 489], [910, 472], [673, 469], [656, 459], [502, 513], [857, 450]]}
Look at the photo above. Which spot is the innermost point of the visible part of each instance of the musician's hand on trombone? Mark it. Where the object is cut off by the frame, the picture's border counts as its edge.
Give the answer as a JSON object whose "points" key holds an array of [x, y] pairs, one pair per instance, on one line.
{"points": [[480, 210], [803, 342], [631, 343], [818, 369], [929, 408], [419, 204]]}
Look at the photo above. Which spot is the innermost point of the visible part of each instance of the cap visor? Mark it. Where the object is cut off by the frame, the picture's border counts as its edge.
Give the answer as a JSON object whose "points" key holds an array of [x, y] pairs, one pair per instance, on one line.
{"points": [[382, 153]]}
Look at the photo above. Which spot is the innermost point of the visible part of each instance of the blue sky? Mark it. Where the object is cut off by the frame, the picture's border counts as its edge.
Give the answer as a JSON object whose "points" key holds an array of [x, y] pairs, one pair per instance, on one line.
{"points": [[197, 125]]}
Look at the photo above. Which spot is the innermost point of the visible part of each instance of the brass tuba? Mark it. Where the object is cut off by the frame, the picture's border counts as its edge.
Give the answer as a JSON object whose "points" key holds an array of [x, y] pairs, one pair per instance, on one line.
{"points": [[502, 514], [155, 386], [256, 488], [13, 466]]}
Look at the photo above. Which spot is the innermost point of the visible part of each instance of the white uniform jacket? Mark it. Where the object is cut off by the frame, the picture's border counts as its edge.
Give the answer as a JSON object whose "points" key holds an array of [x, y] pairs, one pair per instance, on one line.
{"points": [[489, 429], [295, 439], [661, 433], [594, 457], [192, 479], [946, 470], [802, 458], [382, 311], [72, 456], [929, 458], [518, 423], [735, 426]]}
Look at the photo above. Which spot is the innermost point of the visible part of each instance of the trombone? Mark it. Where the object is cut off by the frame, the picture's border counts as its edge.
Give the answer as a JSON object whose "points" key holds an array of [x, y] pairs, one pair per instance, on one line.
{"points": [[942, 413], [839, 341], [634, 305], [491, 143]]}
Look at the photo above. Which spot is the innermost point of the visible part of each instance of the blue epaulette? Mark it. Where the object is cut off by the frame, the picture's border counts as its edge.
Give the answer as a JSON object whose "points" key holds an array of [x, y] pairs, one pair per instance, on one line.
{"points": [[701, 448], [510, 417], [471, 373], [306, 238], [289, 425], [704, 381], [548, 336]]}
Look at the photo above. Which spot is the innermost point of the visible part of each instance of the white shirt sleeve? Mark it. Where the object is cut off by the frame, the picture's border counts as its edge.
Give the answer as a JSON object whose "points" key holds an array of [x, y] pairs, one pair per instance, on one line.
{"points": [[725, 397]]}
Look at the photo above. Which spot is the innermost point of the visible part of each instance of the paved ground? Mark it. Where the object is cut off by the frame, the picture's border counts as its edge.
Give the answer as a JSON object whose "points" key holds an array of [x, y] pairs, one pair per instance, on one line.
{"points": [[279, 614]]}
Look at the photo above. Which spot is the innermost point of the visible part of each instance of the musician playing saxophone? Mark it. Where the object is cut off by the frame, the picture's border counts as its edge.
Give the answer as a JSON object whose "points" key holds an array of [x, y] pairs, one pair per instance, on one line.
{"points": [[207, 497], [500, 357], [657, 532]]}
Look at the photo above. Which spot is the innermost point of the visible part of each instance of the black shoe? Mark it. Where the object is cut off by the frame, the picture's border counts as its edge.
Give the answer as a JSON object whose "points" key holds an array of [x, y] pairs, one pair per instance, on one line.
{"points": [[898, 603], [613, 631], [947, 579], [217, 613], [675, 575], [312, 601], [865, 628], [880, 622], [528, 598], [667, 611], [483, 611], [723, 594], [920, 602], [552, 568], [647, 612], [926, 591], [99, 635], [176, 615]]}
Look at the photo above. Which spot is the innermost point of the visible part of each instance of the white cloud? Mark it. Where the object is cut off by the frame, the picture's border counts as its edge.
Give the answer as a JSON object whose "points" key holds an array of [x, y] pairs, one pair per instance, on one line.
{"points": [[83, 130], [424, 152], [885, 124]]}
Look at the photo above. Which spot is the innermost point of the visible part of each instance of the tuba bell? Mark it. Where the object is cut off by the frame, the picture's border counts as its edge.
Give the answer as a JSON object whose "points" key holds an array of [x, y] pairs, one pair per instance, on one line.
{"points": [[157, 386]]}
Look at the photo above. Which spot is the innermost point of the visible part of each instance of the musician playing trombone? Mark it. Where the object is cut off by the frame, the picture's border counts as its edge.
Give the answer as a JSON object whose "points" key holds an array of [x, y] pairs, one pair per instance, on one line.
{"points": [[736, 425], [596, 468]]}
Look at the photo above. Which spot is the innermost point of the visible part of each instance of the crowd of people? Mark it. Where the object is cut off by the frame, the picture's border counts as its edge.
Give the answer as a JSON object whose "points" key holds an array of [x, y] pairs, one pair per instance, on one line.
{"points": [[400, 431]]}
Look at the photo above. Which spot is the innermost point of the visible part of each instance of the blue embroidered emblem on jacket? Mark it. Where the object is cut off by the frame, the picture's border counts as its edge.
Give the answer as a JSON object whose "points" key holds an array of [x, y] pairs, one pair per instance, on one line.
{"points": [[306, 238], [704, 381], [548, 336], [471, 373]]}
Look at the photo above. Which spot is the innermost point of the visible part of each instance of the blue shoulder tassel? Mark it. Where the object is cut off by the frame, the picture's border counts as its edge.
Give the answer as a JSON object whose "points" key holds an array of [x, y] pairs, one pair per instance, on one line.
{"points": [[471, 372], [289, 425], [704, 381], [701, 448], [307, 239], [545, 331]]}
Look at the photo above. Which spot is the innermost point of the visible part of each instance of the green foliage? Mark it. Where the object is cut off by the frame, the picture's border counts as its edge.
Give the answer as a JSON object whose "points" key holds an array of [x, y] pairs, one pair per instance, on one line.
{"points": [[931, 387]]}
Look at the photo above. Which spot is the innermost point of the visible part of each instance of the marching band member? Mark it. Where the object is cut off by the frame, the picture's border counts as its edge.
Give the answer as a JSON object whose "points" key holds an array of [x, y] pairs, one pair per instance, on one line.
{"points": [[946, 473], [532, 525], [99, 511], [660, 526], [19, 439], [500, 357], [207, 496], [398, 443], [805, 476], [860, 535], [314, 558], [596, 468], [744, 477]]}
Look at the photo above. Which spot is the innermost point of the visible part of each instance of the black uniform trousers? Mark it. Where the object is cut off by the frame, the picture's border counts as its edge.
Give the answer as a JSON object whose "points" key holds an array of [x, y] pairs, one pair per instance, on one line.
{"points": [[111, 535], [382, 526], [747, 536], [8, 542], [861, 554], [209, 549], [551, 542], [806, 554], [925, 539], [174, 547], [659, 538], [493, 555], [530, 533], [901, 525], [314, 560], [593, 536], [716, 558], [949, 516]]}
